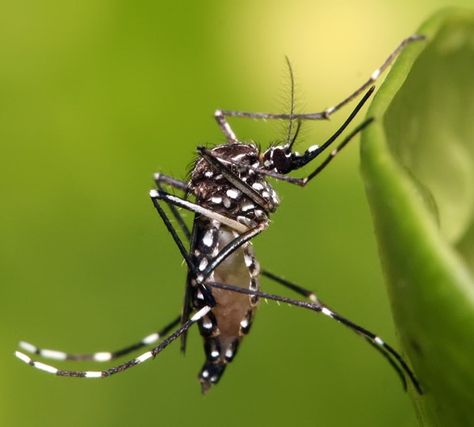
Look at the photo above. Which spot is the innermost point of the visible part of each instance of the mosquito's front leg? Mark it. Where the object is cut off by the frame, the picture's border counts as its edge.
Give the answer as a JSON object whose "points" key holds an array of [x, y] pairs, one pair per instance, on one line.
{"points": [[300, 160], [322, 115]]}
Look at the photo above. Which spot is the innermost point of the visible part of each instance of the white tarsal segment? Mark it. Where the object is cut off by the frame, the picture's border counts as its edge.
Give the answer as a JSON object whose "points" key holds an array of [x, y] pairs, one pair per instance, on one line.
{"points": [[201, 313], [327, 312], [313, 148], [30, 348], [22, 357], [53, 354], [375, 74], [102, 356], [150, 339], [144, 356], [45, 368], [379, 341], [93, 374]]}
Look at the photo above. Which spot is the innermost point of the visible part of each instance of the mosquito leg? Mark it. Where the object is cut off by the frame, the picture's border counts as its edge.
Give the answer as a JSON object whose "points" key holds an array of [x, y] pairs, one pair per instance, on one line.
{"points": [[337, 150], [290, 285], [154, 194], [247, 235], [101, 356], [230, 248], [207, 295], [124, 366], [222, 122], [323, 115], [312, 297], [177, 201], [161, 179], [303, 181], [311, 153], [319, 307]]}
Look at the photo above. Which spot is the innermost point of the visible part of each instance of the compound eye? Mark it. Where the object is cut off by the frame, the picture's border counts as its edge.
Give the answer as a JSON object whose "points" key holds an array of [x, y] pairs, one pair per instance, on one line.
{"points": [[281, 161]]}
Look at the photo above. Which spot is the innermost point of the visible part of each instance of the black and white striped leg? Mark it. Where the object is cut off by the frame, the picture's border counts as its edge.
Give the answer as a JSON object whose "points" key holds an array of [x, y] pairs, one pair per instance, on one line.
{"points": [[156, 195], [229, 249], [311, 153], [101, 356], [122, 367], [221, 115], [161, 179], [201, 276], [290, 285], [319, 307], [312, 297]]}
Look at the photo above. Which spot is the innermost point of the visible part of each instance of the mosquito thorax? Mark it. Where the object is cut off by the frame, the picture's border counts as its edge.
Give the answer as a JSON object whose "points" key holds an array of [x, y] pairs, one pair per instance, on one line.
{"points": [[215, 192]]}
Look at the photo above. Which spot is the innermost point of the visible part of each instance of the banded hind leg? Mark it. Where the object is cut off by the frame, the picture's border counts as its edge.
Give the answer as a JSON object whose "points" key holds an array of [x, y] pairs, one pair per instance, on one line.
{"points": [[100, 356], [373, 340], [394, 358], [122, 367], [312, 297]]}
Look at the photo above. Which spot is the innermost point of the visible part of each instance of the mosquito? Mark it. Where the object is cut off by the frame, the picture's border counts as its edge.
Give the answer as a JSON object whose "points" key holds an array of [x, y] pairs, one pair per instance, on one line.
{"points": [[233, 201]]}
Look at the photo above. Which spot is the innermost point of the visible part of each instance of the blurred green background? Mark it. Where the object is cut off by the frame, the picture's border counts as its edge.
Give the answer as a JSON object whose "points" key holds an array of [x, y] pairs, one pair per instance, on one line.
{"points": [[97, 95]]}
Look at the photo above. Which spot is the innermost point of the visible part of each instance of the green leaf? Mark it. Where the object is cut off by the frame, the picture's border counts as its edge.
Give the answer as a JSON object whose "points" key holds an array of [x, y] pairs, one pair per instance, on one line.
{"points": [[418, 167]]}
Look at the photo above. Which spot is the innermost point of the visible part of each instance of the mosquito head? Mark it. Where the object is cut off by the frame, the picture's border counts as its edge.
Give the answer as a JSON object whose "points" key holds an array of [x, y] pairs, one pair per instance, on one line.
{"points": [[280, 158]]}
